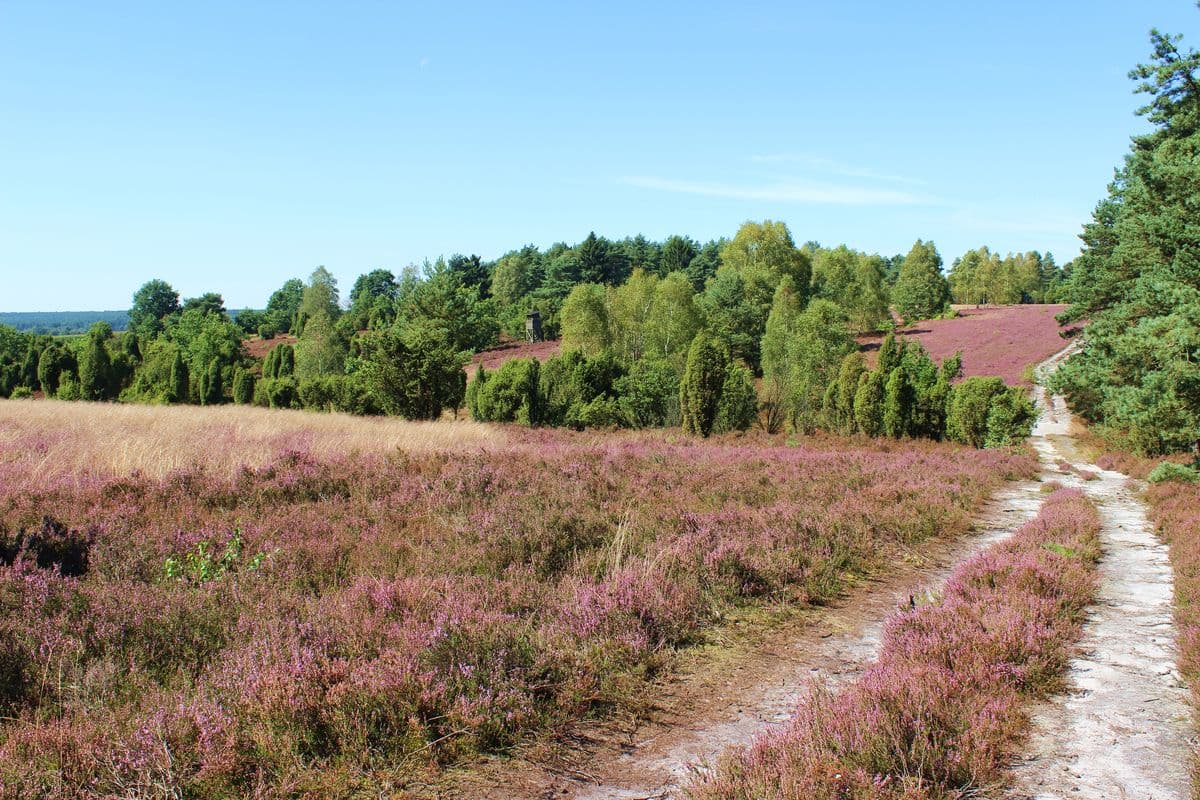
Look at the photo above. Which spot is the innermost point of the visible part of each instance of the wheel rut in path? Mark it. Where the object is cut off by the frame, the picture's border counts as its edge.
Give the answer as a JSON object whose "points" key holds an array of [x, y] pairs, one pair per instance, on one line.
{"points": [[1122, 730]]}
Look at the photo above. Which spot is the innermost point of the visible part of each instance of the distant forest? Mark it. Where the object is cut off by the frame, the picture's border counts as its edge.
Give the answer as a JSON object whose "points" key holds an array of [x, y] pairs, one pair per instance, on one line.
{"points": [[62, 323]]}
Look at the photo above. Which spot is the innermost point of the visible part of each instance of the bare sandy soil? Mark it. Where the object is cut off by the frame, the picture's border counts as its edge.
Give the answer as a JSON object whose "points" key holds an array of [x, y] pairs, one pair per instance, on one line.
{"points": [[1122, 730]]}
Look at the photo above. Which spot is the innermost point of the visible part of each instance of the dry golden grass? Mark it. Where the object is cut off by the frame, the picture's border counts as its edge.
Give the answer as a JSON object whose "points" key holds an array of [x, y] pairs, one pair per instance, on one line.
{"points": [[54, 438]]}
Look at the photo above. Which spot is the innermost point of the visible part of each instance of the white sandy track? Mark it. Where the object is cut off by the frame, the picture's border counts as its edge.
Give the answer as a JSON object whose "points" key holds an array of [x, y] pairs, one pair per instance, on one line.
{"points": [[1123, 728]]}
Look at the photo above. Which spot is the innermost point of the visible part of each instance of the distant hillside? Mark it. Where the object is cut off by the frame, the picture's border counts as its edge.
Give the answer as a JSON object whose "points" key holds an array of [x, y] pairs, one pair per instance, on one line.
{"points": [[61, 323]]}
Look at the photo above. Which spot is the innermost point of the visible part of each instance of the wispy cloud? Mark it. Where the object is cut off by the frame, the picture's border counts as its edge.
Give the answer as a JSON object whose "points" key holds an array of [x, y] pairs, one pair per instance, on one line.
{"points": [[785, 192], [832, 167]]}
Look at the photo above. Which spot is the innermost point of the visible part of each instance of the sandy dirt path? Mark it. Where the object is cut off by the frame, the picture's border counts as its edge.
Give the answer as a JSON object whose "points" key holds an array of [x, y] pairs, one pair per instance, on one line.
{"points": [[1121, 733], [1123, 728], [702, 715]]}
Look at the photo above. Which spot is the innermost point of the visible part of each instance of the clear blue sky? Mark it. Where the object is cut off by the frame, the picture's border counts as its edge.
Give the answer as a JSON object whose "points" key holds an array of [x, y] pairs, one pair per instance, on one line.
{"points": [[228, 146]]}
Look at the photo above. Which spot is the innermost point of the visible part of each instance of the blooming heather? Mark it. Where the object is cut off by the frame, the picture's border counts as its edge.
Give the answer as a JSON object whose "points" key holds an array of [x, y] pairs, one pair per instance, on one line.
{"points": [[408, 608], [938, 712]]}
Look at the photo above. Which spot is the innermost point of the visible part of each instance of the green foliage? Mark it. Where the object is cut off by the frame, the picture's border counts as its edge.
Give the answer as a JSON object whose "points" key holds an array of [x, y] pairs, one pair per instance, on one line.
{"points": [[179, 379], [731, 317], [55, 361], [95, 365], [443, 308], [1170, 471], [322, 348], [1138, 277], [981, 276], [153, 302], [673, 319], [412, 373], [921, 290], [868, 403], [243, 386], [778, 336], [510, 394], [68, 387], [845, 389], [570, 382], [1010, 419], [856, 282], [967, 412], [677, 254], [897, 404], [600, 262], [814, 355], [276, 393], [738, 405], [703, 380], [889, 354], [204, 564], [21, 393], [585, 319], [283, 309], [213, 392], [763, 253], [648, 394], [984, 412], [629, 309]]}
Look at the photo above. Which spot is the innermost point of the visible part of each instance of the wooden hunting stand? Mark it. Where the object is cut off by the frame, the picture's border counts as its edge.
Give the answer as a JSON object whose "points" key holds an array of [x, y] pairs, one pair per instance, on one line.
{"points": [[533, 326]]}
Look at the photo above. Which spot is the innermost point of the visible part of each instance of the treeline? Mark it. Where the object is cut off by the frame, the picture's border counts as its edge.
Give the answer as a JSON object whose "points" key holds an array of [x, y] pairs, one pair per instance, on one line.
{"points": [[192, 351], [704, 336], [1137, 281], [981, 276], [907, 395]]}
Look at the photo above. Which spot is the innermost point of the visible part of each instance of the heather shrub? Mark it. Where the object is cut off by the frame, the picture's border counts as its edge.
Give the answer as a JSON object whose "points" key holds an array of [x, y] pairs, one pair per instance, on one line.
{"points": [[415, 607], [51, 545], [941, 710]]}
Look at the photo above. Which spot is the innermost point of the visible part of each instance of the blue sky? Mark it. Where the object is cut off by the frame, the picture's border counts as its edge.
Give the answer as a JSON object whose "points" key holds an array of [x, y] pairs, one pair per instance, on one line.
{"points": [[229, 146]]}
